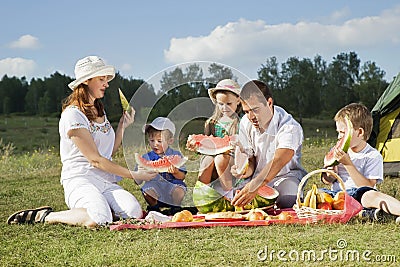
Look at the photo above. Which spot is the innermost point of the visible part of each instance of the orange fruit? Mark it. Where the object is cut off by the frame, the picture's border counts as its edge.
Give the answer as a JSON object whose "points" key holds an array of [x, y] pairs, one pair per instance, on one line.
{"points": [[339, 195], [338, 204], [188, 215], [255, 216], [284, 215], [328, 198], [183, 216], [324, 206]]}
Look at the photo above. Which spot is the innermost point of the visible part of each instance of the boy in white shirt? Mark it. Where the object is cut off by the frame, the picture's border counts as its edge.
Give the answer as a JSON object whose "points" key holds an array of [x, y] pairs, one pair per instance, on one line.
{"points": [[361, 168]]}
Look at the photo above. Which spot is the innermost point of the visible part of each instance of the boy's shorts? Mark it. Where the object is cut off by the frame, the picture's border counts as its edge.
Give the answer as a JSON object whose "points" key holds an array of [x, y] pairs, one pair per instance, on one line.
{"points": [[163, 188], [355, 193]]}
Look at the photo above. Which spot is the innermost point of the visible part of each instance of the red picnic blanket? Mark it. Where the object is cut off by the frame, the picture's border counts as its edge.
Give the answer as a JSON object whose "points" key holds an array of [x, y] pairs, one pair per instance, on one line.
{"points": [[145, 224]]}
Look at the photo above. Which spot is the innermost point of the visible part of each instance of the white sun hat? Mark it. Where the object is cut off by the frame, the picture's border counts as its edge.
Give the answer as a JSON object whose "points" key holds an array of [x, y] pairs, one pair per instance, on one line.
{"points": [[90, 67], [224, 85], [161, 123]]}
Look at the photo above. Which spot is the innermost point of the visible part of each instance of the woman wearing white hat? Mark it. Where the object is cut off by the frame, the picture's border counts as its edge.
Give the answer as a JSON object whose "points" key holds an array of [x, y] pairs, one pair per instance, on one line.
{"points": [[87, 143]]}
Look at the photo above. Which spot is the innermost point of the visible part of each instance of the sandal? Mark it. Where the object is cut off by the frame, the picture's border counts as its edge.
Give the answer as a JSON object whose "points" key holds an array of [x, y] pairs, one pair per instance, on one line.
{"points": [[28, 216]]}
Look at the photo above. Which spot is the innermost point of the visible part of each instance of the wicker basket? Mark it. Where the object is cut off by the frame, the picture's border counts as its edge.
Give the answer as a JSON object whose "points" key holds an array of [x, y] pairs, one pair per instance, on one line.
{"points": [[307, 212]]}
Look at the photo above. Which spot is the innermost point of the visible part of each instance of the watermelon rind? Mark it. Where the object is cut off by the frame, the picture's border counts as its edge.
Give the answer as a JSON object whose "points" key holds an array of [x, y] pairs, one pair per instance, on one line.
{"points": [[213, 151], [329, 160], [262, 200], [207, 199]]}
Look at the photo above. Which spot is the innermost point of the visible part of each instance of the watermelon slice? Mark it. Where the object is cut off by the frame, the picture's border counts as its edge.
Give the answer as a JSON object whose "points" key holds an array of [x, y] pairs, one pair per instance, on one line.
{"points": [[124, 102], [209, 144], [343, 143], [241, 161], [162, 164], [266, 196]]}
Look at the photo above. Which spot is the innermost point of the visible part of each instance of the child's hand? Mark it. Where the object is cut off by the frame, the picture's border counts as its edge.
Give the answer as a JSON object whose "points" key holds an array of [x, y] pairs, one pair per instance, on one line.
{"points": [[191, 145], [342, 156], [172, 170], [234, 140], [326, 178], [176, 172]]}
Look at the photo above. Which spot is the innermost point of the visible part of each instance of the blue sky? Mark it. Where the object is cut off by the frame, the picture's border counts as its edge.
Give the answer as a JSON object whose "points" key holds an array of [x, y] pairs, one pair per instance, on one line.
{"points": [[142, 38]]}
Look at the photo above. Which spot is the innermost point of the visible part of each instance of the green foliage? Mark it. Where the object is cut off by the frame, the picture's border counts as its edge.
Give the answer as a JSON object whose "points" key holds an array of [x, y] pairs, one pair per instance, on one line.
{"points": [[29, 133], [304, 87], [316, 89]]}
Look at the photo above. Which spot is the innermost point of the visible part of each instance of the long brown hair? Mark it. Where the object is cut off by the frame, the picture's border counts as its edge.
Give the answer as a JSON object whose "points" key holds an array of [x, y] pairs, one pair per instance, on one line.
{"points": [[80, 98]]}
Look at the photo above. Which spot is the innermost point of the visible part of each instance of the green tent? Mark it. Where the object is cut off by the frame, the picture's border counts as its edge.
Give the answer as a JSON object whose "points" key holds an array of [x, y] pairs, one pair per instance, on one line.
{"points": [[385, 134]]}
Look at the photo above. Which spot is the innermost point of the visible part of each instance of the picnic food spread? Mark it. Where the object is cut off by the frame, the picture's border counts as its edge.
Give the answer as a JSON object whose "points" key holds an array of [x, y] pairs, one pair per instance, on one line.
{"points": [[207, 199], [317, 199]]}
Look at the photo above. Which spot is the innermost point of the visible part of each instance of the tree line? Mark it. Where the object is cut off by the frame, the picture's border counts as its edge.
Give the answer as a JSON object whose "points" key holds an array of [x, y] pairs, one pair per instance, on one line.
{"points": [[311, 88]]}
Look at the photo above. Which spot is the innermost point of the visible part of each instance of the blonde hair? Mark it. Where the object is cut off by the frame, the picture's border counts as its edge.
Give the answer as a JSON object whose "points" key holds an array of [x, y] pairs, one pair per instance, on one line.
{"points": [[359, 116], [217, 114], [80, 98]]}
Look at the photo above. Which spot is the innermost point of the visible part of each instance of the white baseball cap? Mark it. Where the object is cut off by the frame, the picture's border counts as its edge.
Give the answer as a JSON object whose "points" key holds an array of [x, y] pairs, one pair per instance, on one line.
{"points": [[161, 123], [224, 85], [90, 67]]}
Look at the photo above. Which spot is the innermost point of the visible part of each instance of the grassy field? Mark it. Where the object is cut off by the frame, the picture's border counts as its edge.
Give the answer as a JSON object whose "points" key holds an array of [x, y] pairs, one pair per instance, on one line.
{"points": [[30, 178]]}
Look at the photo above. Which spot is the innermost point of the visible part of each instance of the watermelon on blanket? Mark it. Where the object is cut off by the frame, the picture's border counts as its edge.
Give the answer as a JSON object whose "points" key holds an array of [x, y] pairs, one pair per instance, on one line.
{"points": [[207, 199], [343, 143], [266, 196], [209, 144], [162, 164]]}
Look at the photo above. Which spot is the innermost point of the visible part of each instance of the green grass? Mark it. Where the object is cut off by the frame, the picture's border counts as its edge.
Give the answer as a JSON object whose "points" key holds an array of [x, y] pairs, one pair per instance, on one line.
{"points": [[29, 133], [31, 179]]}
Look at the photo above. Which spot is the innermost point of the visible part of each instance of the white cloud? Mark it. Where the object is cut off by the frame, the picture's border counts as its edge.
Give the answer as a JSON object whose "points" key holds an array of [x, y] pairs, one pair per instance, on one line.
{"points": [[126, 67], [339, 15], [17, 67], [26, 42], [249, 43]]}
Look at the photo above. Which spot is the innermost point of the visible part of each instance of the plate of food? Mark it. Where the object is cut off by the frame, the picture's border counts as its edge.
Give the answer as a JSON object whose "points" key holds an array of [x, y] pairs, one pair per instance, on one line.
{"points": [[226, 216], [244, 211]]}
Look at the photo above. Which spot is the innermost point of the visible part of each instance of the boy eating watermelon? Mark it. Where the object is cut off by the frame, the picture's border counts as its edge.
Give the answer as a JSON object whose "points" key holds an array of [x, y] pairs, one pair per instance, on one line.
{"points": [[167, 189], [361, 168]]}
